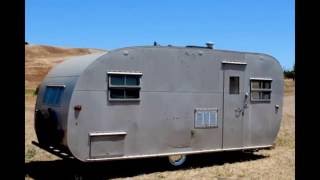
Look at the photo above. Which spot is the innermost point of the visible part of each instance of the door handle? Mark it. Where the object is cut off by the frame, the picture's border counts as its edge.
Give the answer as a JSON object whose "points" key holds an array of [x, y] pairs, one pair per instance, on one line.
{"points": [[246, 97]]}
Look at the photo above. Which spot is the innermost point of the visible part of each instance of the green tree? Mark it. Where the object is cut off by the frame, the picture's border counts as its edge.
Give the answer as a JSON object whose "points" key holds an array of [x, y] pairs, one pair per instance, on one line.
{"points": [[290, 73]]}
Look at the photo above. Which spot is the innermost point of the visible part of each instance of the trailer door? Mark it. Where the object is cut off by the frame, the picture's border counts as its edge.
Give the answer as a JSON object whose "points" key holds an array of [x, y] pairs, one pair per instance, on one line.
{"points": [[234, 100]]}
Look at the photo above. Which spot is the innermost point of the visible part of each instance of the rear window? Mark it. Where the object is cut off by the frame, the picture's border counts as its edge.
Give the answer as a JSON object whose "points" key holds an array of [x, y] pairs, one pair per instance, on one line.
{"points": [[52, 95]]}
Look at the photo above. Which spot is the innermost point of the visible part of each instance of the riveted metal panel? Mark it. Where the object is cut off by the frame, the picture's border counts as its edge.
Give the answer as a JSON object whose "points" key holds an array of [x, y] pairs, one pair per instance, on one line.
{"points": [[175, 82], [104, 145]]}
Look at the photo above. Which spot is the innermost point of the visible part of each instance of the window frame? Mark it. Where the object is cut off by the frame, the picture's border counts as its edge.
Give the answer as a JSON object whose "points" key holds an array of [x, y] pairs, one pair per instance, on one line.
{"points": [[124, 87], [260, 90]]}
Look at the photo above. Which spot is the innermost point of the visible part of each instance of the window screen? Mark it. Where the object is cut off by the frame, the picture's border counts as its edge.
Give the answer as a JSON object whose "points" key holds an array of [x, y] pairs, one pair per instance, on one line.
{"points": [[234, 85], [260, 90], [206, 118], [124, 87], [52, 95]]}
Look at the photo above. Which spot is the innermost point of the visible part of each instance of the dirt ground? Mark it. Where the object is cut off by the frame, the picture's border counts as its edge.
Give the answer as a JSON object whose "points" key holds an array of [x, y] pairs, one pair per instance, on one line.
{"points": [[277, 163]]}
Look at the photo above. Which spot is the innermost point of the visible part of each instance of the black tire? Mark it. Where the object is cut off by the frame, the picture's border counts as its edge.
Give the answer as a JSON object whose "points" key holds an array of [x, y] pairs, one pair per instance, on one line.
{"points": [[46, 127]]}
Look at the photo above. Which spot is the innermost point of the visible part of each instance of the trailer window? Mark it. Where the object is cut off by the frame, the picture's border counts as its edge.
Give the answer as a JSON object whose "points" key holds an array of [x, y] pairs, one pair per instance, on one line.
{"points": [[206, 118], [124, 87], [234, 85], [117, 80], [52, 95], [260, 90], [116, 93]]}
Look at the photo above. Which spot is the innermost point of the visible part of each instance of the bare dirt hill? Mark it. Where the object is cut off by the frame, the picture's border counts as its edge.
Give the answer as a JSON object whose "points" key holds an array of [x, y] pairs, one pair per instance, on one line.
{"points": [[39, 59]]}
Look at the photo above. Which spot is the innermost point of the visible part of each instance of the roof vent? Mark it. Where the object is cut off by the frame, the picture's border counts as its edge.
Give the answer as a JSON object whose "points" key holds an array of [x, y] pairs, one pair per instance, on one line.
{"points": [[209, 45], [155, 44]]}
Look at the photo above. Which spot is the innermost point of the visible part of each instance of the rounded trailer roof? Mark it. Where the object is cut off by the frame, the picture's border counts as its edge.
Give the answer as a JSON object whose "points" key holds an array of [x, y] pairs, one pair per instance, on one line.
{"points": [[74, 66]]}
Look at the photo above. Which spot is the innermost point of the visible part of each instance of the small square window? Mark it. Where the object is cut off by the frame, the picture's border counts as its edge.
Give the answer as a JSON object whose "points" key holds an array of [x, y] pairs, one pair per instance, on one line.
{"points": [[124, 86], [132, 80], [132, 93], [260, 90], [234, 85], [266, 85], [255, 95], [117, 80], [117, 93], [255, 84], [266, 95]]}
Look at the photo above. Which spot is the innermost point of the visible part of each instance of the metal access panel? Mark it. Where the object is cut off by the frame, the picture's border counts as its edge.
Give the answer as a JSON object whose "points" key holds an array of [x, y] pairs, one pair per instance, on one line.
{"points": [[106, 144], [234, 110]]}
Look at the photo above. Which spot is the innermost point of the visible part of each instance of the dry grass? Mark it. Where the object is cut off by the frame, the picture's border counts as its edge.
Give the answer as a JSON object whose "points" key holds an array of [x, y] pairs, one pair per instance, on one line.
{"points": [[277, 163], [289, 86], [39, 59]]}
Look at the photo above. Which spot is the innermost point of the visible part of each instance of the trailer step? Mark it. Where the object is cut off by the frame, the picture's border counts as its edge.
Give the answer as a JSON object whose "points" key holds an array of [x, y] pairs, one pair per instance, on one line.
{"points": [[60, 152]]}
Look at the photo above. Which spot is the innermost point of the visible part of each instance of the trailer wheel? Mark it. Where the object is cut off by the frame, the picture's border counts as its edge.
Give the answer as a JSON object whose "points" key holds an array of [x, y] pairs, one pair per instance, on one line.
{"points": [[177, 160]]}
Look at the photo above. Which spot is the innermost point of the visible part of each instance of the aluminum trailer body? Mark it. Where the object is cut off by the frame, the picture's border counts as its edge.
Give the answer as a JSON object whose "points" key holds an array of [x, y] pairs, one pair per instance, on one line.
{"points": [[159, 101]]}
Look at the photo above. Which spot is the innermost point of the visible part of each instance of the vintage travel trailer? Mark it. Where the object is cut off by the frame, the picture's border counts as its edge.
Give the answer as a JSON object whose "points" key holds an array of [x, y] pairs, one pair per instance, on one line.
{"points": [[152, 101]]}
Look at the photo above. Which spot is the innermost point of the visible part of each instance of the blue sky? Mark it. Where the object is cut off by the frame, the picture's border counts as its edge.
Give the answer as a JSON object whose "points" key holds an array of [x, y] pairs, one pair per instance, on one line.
{"points": [[265, 26]]}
